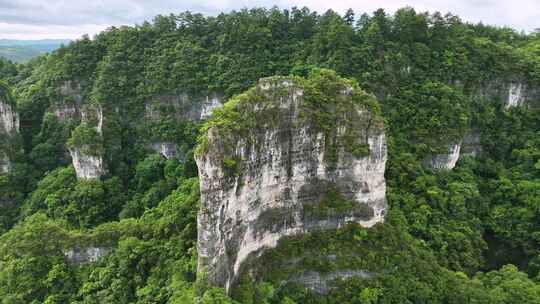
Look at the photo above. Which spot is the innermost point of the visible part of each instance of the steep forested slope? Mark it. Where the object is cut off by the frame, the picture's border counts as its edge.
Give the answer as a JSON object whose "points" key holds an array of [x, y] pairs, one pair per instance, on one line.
{"points": [[126, 108]]}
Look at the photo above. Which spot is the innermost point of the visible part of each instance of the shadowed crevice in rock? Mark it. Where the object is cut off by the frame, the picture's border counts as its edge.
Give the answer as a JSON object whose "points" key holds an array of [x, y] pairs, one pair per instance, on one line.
{"points": [[285, 175]]}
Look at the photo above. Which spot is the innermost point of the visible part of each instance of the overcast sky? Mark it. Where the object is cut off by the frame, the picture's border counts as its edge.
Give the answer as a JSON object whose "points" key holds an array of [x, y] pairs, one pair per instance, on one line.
{"points": [[39, 19]]}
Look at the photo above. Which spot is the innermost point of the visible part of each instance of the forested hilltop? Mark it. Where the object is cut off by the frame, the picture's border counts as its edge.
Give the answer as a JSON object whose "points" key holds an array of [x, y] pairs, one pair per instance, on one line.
{"points": [[99, 187]]}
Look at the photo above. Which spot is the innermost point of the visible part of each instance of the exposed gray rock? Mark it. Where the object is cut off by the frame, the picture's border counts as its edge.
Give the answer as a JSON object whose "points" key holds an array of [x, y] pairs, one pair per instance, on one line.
{"points": [[321, 283], [9, 119], [471, 144], [444, 161], [212, 102], [71, 90], [9, 127], [182, 106], [86, 166], [283, 169], [511, 92], [89, 166], [81, 256], [515, 95], [166, 149]]}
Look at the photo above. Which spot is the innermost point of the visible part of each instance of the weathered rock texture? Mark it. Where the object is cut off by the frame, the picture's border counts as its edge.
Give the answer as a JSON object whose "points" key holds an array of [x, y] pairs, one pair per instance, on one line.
{"points": [[209, 105], [68, 106], [179, 108], [71, 91], [511, 92], [9, 128], [271, 177], [88, 162], [86, 166], [9, 119], [444, 161], [182, 106], [79, 255]]}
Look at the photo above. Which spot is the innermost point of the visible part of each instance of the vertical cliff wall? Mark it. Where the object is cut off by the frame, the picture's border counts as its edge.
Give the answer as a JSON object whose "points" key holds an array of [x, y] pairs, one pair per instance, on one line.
{"points": [[446, 161], [9, 119], [85, 144], [288, 157], [178, 109], [9, 128]]}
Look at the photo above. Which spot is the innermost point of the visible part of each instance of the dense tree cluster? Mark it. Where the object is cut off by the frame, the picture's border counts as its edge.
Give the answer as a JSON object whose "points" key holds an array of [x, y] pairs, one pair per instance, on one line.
{"points": [[470, 235]]}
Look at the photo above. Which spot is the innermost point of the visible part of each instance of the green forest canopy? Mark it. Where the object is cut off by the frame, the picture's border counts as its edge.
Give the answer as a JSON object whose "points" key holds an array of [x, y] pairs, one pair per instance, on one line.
{"points": [[470, 235]]}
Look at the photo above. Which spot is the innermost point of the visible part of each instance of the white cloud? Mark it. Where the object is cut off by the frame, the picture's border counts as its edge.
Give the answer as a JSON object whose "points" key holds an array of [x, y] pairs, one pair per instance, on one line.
{"points": [[30, 32], [72, 18]]}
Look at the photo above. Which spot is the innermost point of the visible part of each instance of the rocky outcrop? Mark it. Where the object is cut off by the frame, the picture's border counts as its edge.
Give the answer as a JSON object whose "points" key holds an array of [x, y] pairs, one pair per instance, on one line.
{"points": [[511, 92], [85, 144], [182, 106], [68, 106], [282, 173], [444, 161], [9, 119], [86, 166], [209, 105], [80, 256], [515, 95], [71, 91], [9, 129]]}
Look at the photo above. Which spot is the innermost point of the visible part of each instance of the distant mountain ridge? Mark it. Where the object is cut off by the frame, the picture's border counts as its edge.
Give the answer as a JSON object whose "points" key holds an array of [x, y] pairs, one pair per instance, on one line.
{"points": [[23, 50]]}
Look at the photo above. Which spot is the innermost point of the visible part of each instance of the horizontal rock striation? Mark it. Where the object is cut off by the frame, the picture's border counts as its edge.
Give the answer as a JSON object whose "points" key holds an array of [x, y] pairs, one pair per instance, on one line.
{"points": [[276, 170]]}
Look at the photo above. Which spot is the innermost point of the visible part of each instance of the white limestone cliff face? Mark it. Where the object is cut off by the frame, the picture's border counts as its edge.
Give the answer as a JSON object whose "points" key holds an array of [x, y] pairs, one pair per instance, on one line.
{"points": [[89, 165], [210, 104], [515, 95], [86, 166], [9, 127], [80, 256], [444, 161], [9, 119], [283, 173]]}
